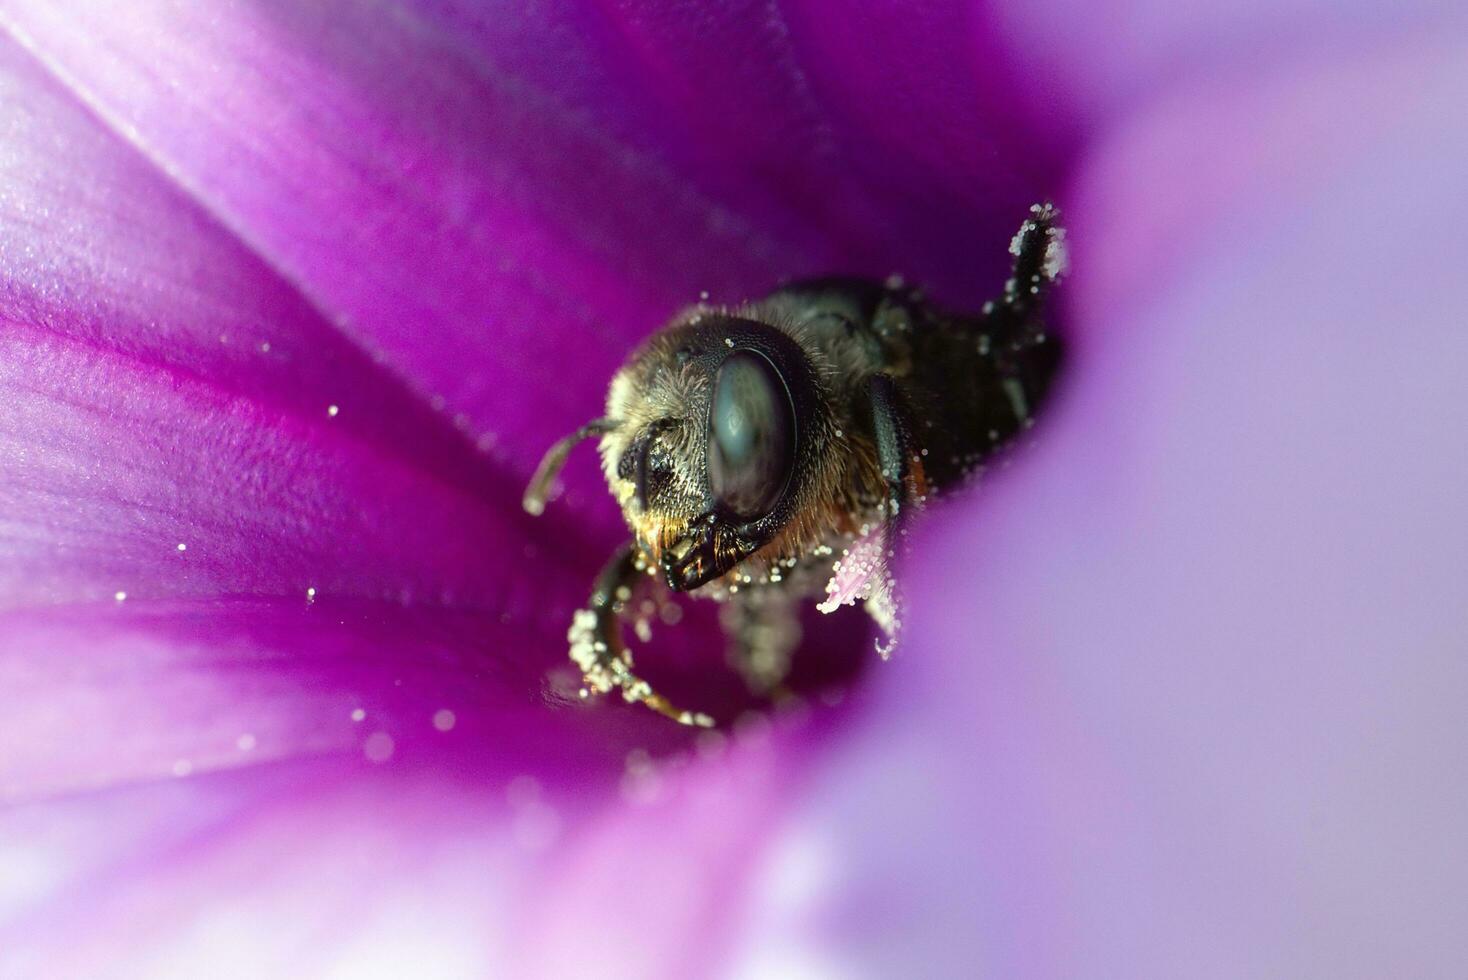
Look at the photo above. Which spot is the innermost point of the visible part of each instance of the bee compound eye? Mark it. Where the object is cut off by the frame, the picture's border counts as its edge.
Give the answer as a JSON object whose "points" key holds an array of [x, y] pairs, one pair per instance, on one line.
{"points": [[751, 436]]}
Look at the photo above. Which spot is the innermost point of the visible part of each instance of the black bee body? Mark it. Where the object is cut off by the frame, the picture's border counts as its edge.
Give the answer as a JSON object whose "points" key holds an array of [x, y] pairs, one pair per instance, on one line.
{"points": [[758, 449], [968, 383]]}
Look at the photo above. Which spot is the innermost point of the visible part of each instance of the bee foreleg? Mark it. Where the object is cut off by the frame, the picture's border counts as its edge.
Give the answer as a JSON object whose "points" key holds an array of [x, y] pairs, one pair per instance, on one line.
{"points": [[762, 630], [596, 645], [901, 462]]}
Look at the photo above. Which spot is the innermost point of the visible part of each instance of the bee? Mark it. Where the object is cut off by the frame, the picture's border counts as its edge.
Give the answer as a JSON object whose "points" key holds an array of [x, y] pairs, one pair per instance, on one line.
{"points": [[760, 450]]}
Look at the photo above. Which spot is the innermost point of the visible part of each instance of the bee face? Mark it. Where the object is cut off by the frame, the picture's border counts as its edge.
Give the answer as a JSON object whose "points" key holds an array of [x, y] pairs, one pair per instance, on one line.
{"points": [[715, 425]]}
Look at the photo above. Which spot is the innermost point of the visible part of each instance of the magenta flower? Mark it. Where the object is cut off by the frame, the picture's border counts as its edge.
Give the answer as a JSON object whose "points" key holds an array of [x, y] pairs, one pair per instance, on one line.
{"points": [[294, 295]]}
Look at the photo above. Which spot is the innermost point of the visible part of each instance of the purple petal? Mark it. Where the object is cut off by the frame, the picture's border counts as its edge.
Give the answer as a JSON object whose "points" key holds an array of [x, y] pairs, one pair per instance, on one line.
{"points": [[1194, 730], [321, 866], [1182, 695], [307, 868], [443, 214], [428, 197], [104, 694], [165, 389], [1098, 62], [795, 113], [234, 556]]}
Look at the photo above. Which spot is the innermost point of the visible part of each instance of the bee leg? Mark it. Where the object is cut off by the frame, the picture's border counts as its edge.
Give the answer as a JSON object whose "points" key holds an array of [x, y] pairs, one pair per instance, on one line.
{"points": [[1012, 330], [901, 463], [596, 643], [1039, 260], [897, 455], [763, 630]]}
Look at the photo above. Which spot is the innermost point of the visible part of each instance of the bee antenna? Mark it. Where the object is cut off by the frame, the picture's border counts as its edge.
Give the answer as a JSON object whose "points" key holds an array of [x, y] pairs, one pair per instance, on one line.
{"points": [[539, 490]]}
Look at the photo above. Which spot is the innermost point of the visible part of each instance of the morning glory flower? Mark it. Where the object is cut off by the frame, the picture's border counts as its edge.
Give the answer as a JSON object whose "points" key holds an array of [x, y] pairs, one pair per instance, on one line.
{"points": [[292, 297]]}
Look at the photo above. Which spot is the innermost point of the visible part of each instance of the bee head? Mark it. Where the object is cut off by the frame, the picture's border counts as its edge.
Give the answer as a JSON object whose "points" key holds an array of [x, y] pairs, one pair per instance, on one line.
{"points": [[710, 445]]}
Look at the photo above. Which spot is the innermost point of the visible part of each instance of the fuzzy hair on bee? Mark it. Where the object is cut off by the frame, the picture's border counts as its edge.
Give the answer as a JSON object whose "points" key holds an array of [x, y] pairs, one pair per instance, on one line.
{"points": [[771, 451], [660, 483]]}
